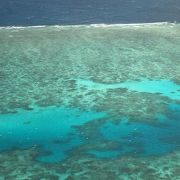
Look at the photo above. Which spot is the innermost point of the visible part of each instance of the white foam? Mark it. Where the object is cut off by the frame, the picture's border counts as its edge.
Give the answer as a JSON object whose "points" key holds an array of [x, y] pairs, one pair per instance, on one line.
{"points": [[93, 25]]}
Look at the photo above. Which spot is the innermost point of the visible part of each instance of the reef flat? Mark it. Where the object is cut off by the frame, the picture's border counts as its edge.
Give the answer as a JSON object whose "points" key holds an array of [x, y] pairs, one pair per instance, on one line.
{"points": [[75, 99], [38, 65], [21, 165]]}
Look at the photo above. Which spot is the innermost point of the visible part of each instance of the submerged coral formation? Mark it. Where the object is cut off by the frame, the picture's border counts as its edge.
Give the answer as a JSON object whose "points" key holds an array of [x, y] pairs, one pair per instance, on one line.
{"points": [[60, 131], [20, 164], [101, 91], [39, 65]]}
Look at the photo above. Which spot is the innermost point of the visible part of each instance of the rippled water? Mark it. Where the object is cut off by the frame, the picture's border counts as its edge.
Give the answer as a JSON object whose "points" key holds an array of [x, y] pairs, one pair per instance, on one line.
{"points": [[50, 12]]}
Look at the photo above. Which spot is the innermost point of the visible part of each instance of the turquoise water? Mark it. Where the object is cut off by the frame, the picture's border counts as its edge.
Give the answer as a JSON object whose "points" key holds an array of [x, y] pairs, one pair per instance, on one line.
{"points": [[145, 140], [54, 131], [163, 87], [51, 128]]}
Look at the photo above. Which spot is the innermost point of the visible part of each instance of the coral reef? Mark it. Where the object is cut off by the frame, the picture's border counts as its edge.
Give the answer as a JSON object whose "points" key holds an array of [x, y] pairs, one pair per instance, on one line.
{"points": [[40, 68], [20, 164], [39, 65]]}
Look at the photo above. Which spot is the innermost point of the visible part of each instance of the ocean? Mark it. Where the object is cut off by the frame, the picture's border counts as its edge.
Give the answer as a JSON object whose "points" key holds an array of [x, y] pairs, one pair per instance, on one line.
{"points": [[89, 90], [66, 12]]}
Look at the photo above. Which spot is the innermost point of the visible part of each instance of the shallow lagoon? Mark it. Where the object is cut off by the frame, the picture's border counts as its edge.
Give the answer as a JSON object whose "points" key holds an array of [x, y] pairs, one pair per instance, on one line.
{"points": [[163, 87], [53, 129], [50, 128], [78, 98]]}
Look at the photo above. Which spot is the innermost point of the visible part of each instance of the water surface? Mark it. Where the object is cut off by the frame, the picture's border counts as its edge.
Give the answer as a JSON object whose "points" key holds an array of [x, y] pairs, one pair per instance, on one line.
{"points": [[50, 12]]}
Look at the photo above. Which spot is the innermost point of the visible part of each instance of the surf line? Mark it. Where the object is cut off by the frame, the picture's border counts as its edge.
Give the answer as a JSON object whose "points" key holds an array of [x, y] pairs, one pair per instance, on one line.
{"points": [[92, 25]]}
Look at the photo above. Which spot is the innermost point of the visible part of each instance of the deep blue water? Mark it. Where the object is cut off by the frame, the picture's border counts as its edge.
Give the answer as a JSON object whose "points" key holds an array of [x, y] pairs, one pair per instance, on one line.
{"points": [[48, 12]]}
